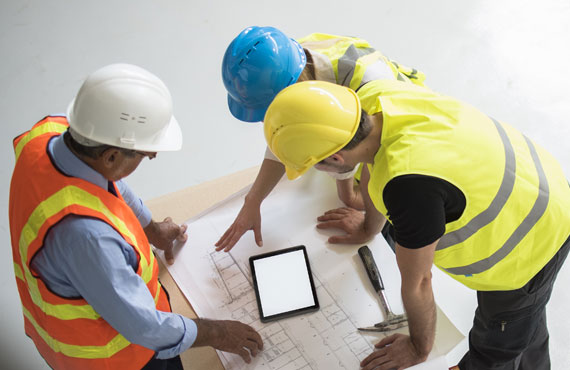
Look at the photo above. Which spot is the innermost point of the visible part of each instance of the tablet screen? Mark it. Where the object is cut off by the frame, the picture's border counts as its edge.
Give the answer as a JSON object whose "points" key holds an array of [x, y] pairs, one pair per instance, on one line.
{"points": [[283, 283]]}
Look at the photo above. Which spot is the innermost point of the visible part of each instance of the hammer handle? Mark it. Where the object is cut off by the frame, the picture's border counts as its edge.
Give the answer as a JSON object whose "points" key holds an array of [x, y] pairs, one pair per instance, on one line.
{"points": [[371, 268]]}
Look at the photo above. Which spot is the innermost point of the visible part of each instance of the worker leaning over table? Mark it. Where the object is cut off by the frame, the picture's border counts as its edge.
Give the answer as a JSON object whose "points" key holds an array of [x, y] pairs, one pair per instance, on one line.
{"points": [[85, 271], [260, 62], [464, 191]]}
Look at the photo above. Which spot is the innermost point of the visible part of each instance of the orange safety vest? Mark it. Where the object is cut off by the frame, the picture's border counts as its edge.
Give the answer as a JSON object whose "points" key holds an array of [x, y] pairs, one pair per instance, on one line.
{"points": [[68, 333]]}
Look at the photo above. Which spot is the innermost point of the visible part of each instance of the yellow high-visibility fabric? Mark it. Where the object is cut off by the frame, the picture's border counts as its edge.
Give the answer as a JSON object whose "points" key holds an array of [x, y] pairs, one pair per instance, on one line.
{"points": [[49, 126], [46, 209], [352, 62], [517, 196]]}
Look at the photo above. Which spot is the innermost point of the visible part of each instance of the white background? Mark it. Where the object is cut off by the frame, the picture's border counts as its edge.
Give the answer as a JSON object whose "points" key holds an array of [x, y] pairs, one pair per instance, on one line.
{"points": [[509, 58]]}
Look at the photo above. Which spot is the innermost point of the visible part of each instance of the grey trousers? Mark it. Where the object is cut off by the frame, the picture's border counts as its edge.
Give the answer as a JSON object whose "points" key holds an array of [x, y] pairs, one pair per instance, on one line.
{"points": [[509, 330]]}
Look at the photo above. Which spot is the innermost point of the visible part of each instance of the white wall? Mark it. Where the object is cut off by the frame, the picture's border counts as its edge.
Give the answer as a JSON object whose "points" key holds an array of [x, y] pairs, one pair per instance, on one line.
{"points": [[509, 58]]}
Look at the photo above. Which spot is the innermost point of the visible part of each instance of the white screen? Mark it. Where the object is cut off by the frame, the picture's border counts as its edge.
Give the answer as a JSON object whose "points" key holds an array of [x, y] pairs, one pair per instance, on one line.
{"points": [[283, 283]]}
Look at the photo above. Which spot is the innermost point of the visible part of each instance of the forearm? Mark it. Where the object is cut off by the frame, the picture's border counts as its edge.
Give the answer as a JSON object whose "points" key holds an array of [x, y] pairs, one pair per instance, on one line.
{"points": [[269, 175], [348, 194], [374, 221], [420, 307]]}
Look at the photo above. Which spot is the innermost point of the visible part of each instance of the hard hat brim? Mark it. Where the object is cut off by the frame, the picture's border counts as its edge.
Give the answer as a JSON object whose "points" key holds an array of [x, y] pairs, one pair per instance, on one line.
{"points": [[170, 141], [245, 114], [293, 174]]}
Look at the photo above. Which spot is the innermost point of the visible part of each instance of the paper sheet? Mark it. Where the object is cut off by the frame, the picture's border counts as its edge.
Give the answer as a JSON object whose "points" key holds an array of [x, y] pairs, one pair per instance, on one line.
{"points": [[218, 285]]}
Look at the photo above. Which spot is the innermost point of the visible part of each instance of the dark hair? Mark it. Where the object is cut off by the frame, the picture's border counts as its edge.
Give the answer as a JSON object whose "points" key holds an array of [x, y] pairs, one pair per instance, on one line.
{"points": [[364, 128], [93, 152]]}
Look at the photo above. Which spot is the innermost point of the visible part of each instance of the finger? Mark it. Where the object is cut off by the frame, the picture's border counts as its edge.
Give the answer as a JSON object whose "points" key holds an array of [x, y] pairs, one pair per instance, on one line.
{"points": [[244, 354], [258, 238], [329, 225], [383, 364], [221, 243], [342, 210], [331, 216], [374, 359], [340, 239], [256, 337], [168, 255], [182, 236], [385, 341], [227, 236], [235, 237], [252, 346]]}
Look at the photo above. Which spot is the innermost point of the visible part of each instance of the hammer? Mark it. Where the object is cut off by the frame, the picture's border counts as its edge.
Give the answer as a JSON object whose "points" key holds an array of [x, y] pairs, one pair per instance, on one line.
{"points": [[392, 321]]}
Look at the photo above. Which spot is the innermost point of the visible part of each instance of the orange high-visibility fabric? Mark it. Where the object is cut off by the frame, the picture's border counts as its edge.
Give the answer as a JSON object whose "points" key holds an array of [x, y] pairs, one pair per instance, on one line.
{"points": [[68, 333]]}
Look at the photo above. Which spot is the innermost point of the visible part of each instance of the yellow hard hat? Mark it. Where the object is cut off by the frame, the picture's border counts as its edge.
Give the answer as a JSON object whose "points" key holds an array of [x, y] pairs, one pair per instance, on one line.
{"points": [[309, 121]]}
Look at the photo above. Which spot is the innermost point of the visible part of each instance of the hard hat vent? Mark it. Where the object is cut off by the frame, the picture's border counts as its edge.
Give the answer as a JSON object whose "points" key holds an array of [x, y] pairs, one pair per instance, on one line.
{"points": [[127, 117]]}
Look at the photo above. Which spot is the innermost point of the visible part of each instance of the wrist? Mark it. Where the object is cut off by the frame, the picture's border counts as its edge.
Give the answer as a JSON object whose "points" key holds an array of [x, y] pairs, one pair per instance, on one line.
{"points": [[208, 333], [151, 230], [252, 200]]}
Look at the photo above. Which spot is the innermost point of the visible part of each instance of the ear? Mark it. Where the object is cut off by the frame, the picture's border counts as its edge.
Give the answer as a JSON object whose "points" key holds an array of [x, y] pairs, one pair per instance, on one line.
{"points": [[337, 158], [109, 157]]}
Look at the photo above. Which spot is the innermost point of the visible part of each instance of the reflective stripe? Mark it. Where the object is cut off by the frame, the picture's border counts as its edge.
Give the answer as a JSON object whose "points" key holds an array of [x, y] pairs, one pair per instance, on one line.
{"points": [[378, 70], [488, 215], [49, 126], [48, 208], [87, 352], [18, 272], [347, 63], [520, 232], [158, 286], [146, 274]]}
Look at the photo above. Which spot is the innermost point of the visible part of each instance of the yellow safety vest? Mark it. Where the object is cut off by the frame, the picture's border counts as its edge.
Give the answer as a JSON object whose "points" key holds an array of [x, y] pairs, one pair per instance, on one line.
{"points": [[517, 197], [352, 62]]}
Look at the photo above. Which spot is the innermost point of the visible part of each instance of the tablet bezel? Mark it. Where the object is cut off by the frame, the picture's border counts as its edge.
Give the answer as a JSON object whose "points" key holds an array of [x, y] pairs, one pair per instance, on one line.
{"points": [[297, 311]]}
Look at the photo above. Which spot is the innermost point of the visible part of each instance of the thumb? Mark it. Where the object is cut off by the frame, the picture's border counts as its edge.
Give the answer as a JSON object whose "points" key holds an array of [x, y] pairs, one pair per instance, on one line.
{"points": [[340, 239], [384, 342], [257, 234]]}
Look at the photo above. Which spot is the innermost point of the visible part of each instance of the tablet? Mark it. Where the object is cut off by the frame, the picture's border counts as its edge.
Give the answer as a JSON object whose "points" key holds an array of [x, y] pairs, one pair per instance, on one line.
{"points": [[283, 283]]}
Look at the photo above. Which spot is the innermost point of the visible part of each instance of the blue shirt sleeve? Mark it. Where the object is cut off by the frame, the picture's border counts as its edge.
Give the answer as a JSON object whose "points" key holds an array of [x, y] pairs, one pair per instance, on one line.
{"points": [[136, 204], [88, 258]]}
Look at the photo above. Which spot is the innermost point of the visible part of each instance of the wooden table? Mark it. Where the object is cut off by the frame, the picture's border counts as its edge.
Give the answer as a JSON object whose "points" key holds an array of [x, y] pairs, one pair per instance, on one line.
{"points": [[181, 206]]}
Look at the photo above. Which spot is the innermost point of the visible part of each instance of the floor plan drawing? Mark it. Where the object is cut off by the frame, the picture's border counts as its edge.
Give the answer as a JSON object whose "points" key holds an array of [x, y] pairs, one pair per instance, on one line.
{"points": [[219, 284], [331, 326]]}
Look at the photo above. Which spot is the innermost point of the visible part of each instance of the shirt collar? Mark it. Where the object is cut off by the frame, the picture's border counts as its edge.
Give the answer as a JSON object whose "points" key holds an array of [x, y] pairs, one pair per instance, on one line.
{"points": [[67, 162]]}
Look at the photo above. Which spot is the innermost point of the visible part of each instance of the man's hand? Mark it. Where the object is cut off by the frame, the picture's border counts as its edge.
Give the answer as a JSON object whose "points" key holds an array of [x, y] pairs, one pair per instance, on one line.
{"points": [[229, 336], [249, 218], [394, 352], [163, 234], [349, 220]]}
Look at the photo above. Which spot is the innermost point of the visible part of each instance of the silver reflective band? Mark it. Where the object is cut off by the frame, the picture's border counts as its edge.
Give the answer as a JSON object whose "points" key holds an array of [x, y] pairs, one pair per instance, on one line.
{"points": [[520, 232], [347, 63], [488, 215]]}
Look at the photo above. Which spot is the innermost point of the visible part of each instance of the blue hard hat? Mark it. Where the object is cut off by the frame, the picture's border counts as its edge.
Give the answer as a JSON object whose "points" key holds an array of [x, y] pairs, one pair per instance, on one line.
{"points": [[258, 63]]}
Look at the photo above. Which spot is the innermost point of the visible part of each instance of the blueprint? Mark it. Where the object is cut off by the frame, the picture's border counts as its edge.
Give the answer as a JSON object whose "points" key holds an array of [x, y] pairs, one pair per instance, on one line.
{"points": [[219, 285]]}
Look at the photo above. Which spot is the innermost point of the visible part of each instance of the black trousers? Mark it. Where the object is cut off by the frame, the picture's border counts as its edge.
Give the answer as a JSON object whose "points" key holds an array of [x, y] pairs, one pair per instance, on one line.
{"points": [[168, 364], [509, 330]]}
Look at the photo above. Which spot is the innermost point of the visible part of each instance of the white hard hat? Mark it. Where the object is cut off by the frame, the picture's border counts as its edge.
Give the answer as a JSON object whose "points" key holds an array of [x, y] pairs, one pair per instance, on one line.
{"points": [[125, 106]]}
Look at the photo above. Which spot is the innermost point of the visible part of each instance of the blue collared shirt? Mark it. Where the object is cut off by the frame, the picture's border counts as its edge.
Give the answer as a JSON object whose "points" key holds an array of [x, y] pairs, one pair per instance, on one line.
{"points": [[85, 257]]}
